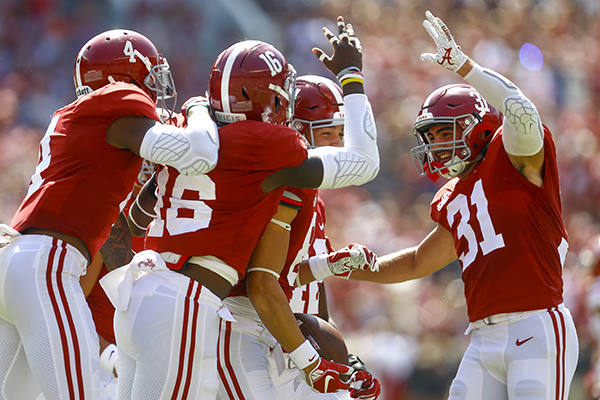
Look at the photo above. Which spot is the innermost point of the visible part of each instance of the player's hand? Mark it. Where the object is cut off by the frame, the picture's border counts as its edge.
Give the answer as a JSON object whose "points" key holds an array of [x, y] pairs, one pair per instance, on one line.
{"points": [[352, 257], [6, 235], [146, 171], [364, 386], [356, 363], [325, 377], [448, 53], [347, 50], [194, 102]]}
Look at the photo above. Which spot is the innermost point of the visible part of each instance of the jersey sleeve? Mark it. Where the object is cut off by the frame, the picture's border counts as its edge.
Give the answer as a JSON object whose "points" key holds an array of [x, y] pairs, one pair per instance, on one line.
{"points": [[437, 209], [123, 99], [278, 147], [289, 147]]}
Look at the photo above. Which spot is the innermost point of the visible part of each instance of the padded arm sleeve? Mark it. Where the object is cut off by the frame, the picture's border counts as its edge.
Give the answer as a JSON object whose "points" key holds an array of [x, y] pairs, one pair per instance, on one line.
{"points": [[192, 150], [358, 161], [522, 133]]}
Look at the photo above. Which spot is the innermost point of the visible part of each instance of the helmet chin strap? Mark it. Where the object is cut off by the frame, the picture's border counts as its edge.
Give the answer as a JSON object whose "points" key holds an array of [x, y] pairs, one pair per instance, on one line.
{"points": [[434, 165], [435, 169], [454, 170]]}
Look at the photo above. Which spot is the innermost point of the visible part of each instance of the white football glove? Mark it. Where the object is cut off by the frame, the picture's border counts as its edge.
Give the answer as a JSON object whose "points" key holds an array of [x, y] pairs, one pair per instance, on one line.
{"points": [[448, 53], [343, 262]]}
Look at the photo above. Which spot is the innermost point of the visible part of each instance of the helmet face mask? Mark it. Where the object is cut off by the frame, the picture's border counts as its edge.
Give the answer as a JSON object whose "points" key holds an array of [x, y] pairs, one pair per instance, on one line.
{"points": [[251, 80], [448, 158], [160, 81], [127, 56], [303, 125], [319, 104], [473, 122]]}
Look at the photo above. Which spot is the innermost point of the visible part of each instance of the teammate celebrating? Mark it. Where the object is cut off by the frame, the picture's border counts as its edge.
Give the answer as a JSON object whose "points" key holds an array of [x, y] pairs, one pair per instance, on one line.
{"points": [[89, 159], [207, 226], [500, 213], [244, 344]]}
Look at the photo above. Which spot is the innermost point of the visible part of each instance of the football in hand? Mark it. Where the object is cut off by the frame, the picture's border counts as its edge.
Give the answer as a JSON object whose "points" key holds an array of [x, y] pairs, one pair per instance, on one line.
{"points": [[324, 337]]}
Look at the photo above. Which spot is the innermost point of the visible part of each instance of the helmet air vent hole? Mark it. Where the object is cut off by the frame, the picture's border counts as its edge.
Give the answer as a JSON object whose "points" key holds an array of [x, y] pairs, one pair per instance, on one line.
{"points": [[277, 105], [245, 94]]}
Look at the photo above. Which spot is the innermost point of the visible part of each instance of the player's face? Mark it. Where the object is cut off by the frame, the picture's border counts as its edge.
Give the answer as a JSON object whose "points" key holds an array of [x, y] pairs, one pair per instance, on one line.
{"points": [[330, 136], [442, 134]]}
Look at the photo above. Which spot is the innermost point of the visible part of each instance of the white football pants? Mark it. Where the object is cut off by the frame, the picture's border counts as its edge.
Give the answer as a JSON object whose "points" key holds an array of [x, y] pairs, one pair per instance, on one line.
{"points": [[247, 371], [167, 339], [44, 316], [529, 357]]}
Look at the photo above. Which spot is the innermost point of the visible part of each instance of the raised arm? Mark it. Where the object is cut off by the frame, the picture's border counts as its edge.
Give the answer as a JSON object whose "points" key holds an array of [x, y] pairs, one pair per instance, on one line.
{"points": [[358, 161], [523, 134]]}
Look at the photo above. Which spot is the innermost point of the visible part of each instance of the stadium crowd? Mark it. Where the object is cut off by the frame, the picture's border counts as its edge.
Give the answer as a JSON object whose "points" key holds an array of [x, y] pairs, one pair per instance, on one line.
{"points": [[410, 335]]}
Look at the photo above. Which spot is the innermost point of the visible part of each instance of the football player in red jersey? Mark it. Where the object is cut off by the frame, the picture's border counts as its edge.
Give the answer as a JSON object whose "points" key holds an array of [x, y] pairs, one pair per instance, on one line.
{"points": [[207, 226], [115, 252], [243, 353], [500, 214], [89, 159]]}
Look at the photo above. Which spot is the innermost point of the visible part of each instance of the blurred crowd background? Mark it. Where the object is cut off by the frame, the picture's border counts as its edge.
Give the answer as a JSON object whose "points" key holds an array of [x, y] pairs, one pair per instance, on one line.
{"points": [[411, 334]]}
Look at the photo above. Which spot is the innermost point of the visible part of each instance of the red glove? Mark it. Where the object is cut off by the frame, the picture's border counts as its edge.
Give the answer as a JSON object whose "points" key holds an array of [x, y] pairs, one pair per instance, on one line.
{"points": [[193, 102], [325, 377], [364, 386], [343, 262], [354, 256]]}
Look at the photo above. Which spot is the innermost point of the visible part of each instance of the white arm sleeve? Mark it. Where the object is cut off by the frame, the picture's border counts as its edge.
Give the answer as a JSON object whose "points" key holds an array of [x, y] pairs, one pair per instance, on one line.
{"points": [[358, 161], [193, 150], [523, 134]]}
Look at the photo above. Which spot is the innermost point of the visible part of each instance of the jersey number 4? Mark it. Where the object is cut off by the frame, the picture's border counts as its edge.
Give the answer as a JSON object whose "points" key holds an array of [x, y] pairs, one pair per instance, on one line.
{"points": [[491, 240]]}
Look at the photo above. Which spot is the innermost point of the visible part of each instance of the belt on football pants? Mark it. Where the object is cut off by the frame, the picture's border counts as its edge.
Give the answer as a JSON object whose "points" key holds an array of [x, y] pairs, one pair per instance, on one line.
{"points": [[506, 318]]}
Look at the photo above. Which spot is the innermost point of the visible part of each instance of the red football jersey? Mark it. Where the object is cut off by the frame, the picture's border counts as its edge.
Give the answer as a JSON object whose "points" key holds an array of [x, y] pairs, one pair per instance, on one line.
{"points": [[224, 212], [301, 237], [320, 242], [305, 299], [509, 234], [102, 309], [80, 180]]}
